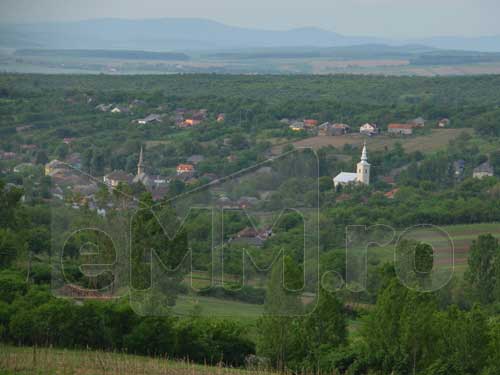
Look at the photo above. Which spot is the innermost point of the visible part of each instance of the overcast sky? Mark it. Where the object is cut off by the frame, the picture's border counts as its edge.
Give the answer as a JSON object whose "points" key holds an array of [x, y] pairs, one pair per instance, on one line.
{"points": [[388, 18]]}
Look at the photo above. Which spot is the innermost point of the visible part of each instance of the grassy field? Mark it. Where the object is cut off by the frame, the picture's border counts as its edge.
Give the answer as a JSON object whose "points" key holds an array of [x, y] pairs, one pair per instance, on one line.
{"points": [[27, 360], [435, 140], [459, 237], [218, 307]]}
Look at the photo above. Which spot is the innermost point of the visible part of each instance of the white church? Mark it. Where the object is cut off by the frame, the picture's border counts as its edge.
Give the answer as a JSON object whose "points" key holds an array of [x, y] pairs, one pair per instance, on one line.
{"points": [[362, 175]]}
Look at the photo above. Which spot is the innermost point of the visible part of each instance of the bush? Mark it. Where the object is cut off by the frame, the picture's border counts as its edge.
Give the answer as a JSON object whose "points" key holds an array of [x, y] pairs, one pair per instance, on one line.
{"points": [[12, 284], [153, 336]]}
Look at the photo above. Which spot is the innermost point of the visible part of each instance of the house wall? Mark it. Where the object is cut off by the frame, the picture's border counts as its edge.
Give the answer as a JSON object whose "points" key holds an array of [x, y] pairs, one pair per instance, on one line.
{"points": [[401, 131]]}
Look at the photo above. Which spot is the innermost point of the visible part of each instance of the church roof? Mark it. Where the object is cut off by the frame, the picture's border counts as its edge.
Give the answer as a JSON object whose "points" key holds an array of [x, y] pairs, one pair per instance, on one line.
{"points": [[345, 177]]}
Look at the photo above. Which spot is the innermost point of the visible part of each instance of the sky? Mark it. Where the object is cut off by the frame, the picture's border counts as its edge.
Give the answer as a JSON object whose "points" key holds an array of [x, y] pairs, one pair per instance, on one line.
{"points": [[385, 18]]}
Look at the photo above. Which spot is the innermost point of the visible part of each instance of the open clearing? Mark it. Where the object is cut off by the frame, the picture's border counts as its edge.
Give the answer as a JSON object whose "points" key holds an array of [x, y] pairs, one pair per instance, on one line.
{"points": [[426, 143], [216, 307]]}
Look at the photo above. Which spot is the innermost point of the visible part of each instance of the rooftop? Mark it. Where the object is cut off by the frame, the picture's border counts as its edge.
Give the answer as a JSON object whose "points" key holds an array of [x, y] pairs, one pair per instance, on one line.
{"points": [[345, 177]]}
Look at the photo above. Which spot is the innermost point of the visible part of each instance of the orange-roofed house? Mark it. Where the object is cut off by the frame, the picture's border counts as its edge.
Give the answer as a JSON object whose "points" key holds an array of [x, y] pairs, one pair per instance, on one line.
{"points": [[191, 122], [390, 194], [183, 169], [310, 123], [405, 129]]}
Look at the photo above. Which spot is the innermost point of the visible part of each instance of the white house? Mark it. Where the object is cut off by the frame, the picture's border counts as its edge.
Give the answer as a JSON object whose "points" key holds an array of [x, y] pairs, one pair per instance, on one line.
{"points": [[368, 129], [362, 175], [483, 170], [148, 119]]}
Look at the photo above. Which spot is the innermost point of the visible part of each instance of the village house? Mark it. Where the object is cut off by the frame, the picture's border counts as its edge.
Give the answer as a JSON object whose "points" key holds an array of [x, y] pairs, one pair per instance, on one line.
{"points": [[119, 109], [190, 122], [310, 123], [362, 175], [247, 202], [200, 114], [391, 193], [483, 170], [184, 169], [148, 119], [401, 129], [54, 167], [443, 123], [104, 107], [114, 178], [69, 140], [368, 129], [458, 168], [297, 126], [323, 128], [418, 122], [252, 236], [195, 159], [8, 155], [137, 103], [328, 128], [232, 158], [221, 117]]}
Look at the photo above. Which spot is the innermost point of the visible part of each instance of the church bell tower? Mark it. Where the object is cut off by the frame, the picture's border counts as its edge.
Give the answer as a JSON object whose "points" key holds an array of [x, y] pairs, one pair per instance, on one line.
{"points": [[140, 164], [363, 168]]}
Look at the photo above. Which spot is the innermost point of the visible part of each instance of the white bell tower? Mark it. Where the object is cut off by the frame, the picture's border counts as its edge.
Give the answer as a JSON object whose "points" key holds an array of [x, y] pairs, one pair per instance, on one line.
{"points": [[363, 168]]}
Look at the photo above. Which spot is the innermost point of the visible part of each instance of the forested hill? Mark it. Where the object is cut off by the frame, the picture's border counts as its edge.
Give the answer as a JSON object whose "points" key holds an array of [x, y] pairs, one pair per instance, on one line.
{"points": [[104, 54], [341, 88]]}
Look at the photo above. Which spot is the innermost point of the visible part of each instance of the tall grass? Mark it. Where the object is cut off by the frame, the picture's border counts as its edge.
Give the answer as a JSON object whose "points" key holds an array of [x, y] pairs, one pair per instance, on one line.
{"points": [[41, 361]]}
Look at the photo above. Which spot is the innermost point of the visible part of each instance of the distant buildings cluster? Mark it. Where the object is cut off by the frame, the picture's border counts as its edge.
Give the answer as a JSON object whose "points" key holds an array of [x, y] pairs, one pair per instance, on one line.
{"points": [[369, 128]]}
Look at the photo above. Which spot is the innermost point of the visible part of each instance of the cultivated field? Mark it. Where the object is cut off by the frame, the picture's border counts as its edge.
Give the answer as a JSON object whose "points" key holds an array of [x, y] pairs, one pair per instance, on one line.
{"points": [[435, 140], [459, 237]]}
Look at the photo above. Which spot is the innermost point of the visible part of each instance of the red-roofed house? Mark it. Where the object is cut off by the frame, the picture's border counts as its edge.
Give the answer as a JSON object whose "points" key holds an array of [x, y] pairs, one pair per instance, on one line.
{"points": [[310, 123], [184, 169]]}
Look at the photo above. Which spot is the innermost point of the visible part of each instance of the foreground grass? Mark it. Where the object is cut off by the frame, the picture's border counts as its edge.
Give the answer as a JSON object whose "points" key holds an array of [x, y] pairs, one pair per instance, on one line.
{"points": [[29, 360]]}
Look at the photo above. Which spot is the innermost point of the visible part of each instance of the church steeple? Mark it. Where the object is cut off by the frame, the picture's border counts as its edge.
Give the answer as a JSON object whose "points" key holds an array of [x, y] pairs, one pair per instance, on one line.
{"points": [[140, 164], [363, 168], [364, 156]]}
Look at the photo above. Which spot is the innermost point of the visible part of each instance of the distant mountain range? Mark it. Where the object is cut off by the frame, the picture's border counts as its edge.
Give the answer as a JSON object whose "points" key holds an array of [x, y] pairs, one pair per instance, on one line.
{"points": [[190, 34]]}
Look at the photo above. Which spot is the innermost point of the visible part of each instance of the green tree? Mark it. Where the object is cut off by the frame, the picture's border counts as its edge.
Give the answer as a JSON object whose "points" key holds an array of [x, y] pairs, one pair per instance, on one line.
{"points": [[62, 151], [279, 327], [462, 344], [481, 273], [325, 329], [9, 202], [9, 247], [41, 157], [424, 261]]}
